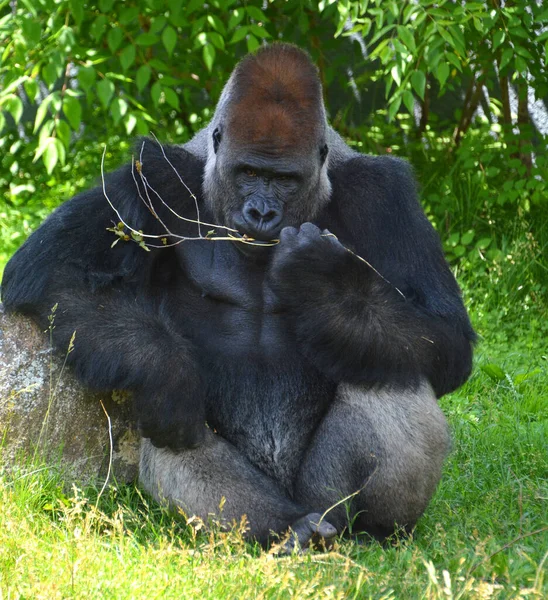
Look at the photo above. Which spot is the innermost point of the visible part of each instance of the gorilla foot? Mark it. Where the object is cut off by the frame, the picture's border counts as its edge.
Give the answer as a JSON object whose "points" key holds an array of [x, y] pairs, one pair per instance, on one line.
{"points": [[310, 530]]}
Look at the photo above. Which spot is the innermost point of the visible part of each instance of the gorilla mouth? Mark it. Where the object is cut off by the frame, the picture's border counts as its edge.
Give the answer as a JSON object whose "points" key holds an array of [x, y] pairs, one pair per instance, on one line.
{"points": [[245, 239]]}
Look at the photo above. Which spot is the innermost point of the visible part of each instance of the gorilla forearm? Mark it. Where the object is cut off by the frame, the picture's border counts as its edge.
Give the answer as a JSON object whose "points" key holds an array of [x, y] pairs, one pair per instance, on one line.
{"points": [[357, 328], [122, 343]]}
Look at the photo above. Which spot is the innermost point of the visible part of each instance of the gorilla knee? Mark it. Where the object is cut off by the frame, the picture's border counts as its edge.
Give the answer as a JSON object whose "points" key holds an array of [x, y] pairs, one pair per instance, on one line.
{"points": [[376, 459]]}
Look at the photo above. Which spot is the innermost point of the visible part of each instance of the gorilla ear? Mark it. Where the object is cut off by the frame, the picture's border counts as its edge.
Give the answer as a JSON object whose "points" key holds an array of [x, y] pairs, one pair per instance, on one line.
{"points": [[323, 153], [216, 139]]}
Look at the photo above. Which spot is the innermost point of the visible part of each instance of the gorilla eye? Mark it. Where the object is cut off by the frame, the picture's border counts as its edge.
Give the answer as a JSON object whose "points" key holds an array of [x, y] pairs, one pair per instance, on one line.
{"points": [[250, 173]]}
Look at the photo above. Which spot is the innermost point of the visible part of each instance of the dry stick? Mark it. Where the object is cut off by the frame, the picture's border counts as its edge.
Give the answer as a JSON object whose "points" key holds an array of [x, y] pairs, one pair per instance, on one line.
{"points": [[350, 496], [368, 264], [192, 195], [111, 451], [139, 167], [181, 238], [511, 543]]}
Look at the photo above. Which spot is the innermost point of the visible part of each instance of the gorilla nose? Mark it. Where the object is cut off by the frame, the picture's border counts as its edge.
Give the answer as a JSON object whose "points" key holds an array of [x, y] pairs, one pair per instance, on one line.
{"points": [[262, 221]]}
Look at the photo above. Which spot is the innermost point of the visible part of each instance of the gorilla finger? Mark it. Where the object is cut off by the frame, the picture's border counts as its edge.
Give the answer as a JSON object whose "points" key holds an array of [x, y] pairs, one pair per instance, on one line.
{"points": [[310, 229], [287, 234]]}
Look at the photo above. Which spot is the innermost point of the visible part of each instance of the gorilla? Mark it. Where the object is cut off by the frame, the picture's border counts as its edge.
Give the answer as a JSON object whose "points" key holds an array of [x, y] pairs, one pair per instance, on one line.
{"points": [[288, 371]]}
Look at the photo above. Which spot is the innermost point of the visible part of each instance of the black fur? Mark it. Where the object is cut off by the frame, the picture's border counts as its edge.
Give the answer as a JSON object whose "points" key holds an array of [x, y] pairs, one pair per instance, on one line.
{"points": [[262, 343]]}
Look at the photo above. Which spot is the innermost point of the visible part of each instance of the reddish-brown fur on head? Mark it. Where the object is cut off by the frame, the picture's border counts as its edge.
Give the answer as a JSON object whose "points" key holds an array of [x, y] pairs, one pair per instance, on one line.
{"points": [[276, 101]]}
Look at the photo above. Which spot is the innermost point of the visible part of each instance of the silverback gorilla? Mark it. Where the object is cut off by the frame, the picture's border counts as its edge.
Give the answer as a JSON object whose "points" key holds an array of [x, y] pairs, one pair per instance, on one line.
{"points": [[283, 377]]}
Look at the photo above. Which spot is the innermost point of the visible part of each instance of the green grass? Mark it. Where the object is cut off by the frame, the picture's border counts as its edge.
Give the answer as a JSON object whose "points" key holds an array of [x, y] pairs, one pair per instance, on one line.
{"points": [[494, 493]]}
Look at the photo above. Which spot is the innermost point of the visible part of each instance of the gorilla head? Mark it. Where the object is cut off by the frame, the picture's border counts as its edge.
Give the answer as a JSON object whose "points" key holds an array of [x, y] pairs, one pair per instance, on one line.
{"points": [[266, 159]]}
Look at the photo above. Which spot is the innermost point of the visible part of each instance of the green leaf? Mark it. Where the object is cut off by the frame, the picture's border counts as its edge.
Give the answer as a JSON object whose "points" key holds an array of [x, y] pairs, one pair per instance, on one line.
{"points": [[256, 13], [118, 109], [114, 38], [41, 113], [143, 77], [32, 31], [452, 58], [77, 11], [521, 65], [239, 35], [236, 18], [498, 38], [216, 39], [542, 18], [105, 6], [156, 92], [105, 91], [406, 37], [169, 39], [418, 81], [409, 101], [217, 24], [14, 106], [483, 244], [127, 57], [97, 28], [252, 43], [467, 237], [128, 15], [171, 98], [31, 88], [506, 58], [86, 77], [62, 130], [260, 32], [53, 153], [129, 122], [395, 104], [50, 156], [442, 73], [73, 111], [146, 39], [208, 53], [493, 371], [523, 52], [395, 72]]}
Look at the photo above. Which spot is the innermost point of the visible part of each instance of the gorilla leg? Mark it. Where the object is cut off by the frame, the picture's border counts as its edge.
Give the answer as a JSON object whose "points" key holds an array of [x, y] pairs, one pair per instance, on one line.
{"points": [[388, 446], [197, 480]]}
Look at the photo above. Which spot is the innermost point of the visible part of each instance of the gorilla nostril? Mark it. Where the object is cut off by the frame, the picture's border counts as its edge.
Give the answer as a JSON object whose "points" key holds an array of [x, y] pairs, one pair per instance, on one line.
{"points": [[269, 216], [254, 214]]}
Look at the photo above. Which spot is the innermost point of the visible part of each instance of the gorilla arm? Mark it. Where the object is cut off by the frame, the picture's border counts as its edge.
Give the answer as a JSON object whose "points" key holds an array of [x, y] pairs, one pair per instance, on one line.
{"points": [[355, 324], [105, 297]]}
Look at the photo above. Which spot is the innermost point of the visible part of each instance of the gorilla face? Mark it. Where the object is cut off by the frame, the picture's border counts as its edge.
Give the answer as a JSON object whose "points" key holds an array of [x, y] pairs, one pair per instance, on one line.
{"points": [[266, 162], [258, 189]]}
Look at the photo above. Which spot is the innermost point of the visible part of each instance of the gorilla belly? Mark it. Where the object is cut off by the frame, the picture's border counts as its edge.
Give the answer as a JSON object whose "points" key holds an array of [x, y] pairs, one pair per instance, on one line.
{"points": [[262, 395], [269, 409]]}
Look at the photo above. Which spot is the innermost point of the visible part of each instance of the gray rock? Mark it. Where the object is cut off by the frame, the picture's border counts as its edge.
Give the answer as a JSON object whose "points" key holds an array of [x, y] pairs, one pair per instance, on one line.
{"points": [[47, 416]]}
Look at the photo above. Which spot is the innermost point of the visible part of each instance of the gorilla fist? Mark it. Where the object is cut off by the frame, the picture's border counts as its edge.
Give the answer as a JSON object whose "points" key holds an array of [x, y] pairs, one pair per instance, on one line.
{"points": [[305, 262]]}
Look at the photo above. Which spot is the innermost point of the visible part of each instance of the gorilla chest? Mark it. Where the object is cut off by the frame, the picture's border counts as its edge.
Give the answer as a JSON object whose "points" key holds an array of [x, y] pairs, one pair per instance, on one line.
{"points": [[234, 313]]}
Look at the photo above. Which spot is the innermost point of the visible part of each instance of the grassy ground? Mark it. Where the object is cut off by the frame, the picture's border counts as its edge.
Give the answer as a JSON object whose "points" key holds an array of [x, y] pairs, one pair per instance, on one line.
{"points": [[483, 536]]}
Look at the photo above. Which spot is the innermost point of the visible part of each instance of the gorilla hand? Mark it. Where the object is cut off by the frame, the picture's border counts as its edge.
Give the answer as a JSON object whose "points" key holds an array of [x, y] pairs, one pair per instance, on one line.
{"points": [[306, 261], [310, 530], [171, 416]]}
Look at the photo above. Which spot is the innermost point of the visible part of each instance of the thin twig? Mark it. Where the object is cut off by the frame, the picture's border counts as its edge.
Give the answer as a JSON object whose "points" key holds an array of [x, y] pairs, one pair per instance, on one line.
{"points": [[111, 452], [181, 238]]}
